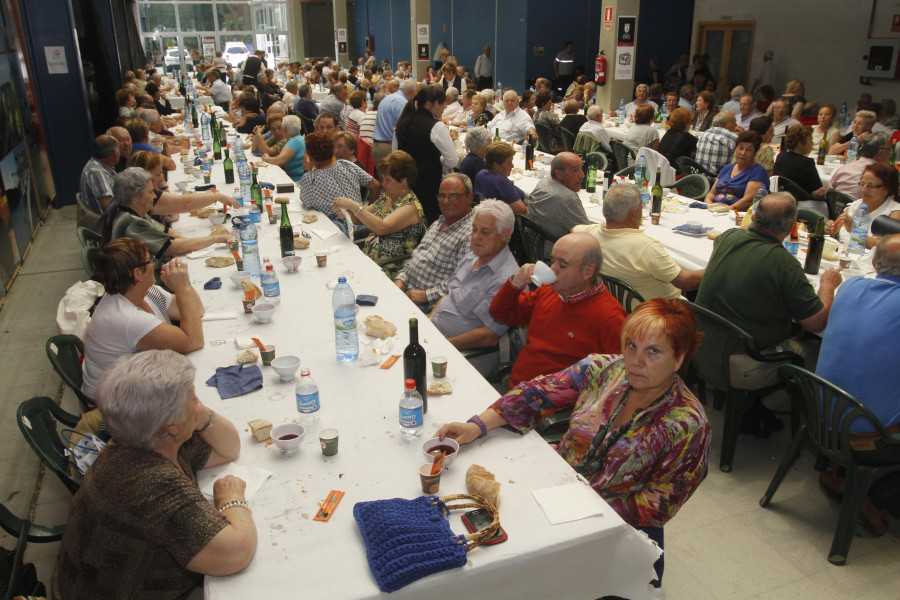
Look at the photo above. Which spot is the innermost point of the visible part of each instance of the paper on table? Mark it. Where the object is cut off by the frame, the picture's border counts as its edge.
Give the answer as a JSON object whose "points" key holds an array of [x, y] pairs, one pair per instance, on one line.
{"points": [[570, 502], [323, 234], [207, 252], [254, 477], [219, 316]]}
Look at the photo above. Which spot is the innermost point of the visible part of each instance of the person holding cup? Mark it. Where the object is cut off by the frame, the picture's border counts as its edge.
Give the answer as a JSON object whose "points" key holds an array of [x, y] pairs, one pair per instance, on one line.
{"points": [[569, 316], [139, 521]]}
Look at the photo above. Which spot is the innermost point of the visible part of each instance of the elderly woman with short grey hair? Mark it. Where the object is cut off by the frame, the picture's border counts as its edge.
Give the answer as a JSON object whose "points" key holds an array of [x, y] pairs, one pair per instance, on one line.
{"points": [[291, 156], [139, 521], [477, 140], [130, 217]]}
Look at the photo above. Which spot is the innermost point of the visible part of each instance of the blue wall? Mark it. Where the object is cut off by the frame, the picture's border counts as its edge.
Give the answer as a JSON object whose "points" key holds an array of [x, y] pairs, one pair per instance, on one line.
{"points": [[663, 32], [552, 24]]}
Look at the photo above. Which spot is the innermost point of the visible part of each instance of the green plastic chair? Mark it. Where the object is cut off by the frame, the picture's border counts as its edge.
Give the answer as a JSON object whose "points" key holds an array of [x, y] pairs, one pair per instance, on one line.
{"points": [[689, 166], [25, 531], [810, 217], [545, 134], [537, 241], [624, 293], [621, 153], [830, 413], [585, 142], [88, 237], [37, 420], [694, 186], [710, 363], [554, 427], [568, 139], [89, 260], [65, 352], [600, 160]]}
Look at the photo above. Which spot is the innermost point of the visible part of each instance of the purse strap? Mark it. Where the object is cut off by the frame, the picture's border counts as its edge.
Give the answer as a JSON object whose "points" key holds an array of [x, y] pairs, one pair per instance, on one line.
{"points": [[474, 539]]}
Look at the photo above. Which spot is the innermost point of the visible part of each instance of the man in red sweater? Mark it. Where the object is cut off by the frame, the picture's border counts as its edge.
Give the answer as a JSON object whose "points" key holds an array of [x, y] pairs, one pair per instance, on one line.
{"points": [[573, 317]]}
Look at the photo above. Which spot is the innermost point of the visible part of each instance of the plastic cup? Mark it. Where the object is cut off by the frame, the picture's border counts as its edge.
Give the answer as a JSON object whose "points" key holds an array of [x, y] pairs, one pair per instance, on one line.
{"points": [[654, 218], [321, 259], [439, 366], [267, 355], [430, 483], [248, 306], [328, 440]]}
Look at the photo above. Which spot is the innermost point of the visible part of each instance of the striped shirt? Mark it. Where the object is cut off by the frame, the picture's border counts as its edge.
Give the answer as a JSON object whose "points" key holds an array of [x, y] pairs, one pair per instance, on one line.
{"points": [[715, 147]]}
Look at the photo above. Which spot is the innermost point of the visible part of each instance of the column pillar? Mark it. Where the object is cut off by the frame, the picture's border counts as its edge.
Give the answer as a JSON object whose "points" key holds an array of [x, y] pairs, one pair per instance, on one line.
{"points": [[608, 95], [295, 31], [419, 14], [341, 41]]}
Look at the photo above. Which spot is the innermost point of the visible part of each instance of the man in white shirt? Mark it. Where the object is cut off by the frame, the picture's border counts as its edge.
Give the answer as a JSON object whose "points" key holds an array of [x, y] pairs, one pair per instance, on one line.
{"points": [[766, 73], [641, 95], [484, 70], [747, 111], [452, 105], [594, 127], [781, 120], [686, 97], [513, 123]]}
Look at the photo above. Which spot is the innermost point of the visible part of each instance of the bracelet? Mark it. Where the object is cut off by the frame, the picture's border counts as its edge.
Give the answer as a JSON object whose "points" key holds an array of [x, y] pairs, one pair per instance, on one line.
{"points": [[359, 210], [234, 503], [212, 419], [477, 420]]}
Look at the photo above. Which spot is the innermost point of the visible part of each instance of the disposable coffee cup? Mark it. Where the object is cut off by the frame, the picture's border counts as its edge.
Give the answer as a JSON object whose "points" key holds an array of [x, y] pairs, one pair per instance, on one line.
{"points": [[542, 275], [654, 218], [328, 440], [267, 355], [321, 259], [439, 366], [430, 483]]}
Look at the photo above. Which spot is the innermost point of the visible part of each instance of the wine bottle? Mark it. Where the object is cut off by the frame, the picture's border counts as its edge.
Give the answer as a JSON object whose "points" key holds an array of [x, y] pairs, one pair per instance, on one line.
{"points": [[228, 166], [656, 193], [256, 193], [823, 150], [814, 249], [217, 148], [286, 232], [414, 363], [497, 135], [591, 180]]}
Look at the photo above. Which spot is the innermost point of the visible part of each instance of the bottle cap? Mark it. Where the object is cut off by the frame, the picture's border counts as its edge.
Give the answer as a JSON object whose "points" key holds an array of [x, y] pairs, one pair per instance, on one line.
{"points": [[342, 280], [269, 268], [304, 372], [410, 384]]}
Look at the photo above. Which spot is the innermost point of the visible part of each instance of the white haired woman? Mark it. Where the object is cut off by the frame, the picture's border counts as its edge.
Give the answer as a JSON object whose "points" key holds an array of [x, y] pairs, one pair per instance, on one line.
{"points": [[139, 526], [291, 156], [477, 141]]}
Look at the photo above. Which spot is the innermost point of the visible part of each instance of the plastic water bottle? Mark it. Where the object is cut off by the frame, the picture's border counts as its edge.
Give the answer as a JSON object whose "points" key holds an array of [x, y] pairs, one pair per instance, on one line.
{"points": [[645, 198], [858, 232], [411, 417], [640, 170], [204, 127], [664, 113], [620, 114], [250, 248], [238, 146], [852, 150], [343, 303], [245, 177], [308, 404], [270, 286], [844, 116], [255, 212]]}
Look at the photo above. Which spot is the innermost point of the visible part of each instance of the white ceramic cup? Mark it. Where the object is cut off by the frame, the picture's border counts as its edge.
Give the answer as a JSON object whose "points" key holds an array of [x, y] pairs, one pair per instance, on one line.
{"points": [[543, 275]]}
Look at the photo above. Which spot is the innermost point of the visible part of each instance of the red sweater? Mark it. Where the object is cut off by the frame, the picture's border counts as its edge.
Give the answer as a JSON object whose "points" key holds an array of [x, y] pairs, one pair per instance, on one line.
{"points": [[559, 334]]}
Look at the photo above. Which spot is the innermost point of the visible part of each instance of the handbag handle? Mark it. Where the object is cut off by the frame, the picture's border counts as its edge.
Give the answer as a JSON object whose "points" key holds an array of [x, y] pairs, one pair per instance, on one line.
{"points": [[474, 539]]}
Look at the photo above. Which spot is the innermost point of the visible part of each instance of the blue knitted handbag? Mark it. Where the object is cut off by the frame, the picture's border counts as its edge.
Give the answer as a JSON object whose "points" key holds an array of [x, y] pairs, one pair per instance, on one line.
{"points": [[409, 539]]}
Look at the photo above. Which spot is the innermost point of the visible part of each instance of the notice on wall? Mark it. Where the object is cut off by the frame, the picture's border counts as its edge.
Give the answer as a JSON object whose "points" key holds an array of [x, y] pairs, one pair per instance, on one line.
{"points": [[607, 17], [423, 33], [625, 36], [56, 60]]}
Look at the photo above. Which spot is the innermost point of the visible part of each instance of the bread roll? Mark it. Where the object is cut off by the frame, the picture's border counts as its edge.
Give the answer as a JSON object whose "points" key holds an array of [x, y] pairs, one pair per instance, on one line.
{"points": [[378, 327], [261, 429], [481, 482]]}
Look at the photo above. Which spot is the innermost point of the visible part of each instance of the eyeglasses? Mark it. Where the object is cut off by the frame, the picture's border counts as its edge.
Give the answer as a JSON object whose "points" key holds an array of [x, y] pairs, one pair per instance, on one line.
{"points": [[871, 186], [450, 197], [144, 264]]}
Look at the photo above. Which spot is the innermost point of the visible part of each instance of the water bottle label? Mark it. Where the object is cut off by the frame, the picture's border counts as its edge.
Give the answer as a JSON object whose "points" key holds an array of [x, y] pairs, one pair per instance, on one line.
{"points": [[411, 417], [308, 404], [255, 216], [272, 290], [345, 323]]}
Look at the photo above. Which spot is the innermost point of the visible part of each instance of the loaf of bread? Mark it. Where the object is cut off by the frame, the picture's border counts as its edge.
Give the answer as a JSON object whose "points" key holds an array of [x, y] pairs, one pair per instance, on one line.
{"points": [[378, 327], [261, 429], [439, 388], [247, 356], [249, 286], [219, 261], [481, 482]]}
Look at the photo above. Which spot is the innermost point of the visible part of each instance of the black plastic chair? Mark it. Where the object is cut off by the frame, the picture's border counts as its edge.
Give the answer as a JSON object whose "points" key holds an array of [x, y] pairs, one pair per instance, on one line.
{"points": [[626, 172], [809, 216], [554, 427], [830, 413], [307, 125], [545, 134], [694, 186], [819, 207], [568, 139], [621, 154], [710, 363], [89, 260], [88, 237], [624, 293], [24, 531], [786, 185], [65, 352], [688, 166], [537, 241], [37, 419], [837, 202], [885, 225]]}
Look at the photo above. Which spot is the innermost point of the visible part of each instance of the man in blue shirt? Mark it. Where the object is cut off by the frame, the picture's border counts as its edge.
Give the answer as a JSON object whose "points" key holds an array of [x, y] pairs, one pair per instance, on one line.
{"points": [[388, 113], [858, 355]]}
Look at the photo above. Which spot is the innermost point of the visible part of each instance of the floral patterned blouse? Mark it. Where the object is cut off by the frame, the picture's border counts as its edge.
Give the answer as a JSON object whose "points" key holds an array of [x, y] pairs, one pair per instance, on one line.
{"points": [[382, 247], [647, 468]]}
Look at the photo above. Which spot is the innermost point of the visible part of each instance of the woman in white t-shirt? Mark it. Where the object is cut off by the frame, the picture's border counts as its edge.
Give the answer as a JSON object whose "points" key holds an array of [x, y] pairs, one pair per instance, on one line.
{"points": [[878, 189], [134, 313], [642, 134]]}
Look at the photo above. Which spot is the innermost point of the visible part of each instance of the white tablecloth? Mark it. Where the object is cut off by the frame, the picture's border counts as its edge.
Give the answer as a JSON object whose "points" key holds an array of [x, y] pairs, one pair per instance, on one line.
{"points": [[588, 558], [177, 102]]}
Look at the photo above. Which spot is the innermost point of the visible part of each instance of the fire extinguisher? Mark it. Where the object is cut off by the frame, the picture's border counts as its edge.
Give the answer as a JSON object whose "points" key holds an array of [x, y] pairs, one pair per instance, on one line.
{"points": [[600, 69]]}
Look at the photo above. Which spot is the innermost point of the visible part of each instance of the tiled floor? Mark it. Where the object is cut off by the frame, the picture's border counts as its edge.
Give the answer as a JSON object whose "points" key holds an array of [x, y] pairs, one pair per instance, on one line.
{"points": [[721, 546]]}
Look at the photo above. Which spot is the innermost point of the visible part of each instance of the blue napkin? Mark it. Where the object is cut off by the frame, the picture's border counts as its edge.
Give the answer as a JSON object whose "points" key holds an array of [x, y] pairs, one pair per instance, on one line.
{"points": [[257, 154], [702, 205], [236, 380], [268, 186], [204, 188], [687, 229], [213, 284], [197, 162]]}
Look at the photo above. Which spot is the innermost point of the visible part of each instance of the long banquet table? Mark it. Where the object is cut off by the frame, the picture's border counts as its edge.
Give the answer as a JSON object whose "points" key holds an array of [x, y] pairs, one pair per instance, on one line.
{"points": [[584, 558]]}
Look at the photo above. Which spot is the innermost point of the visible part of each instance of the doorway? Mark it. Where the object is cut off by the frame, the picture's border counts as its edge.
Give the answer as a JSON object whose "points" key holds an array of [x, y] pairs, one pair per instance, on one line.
{"points": [[729, 45]]}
